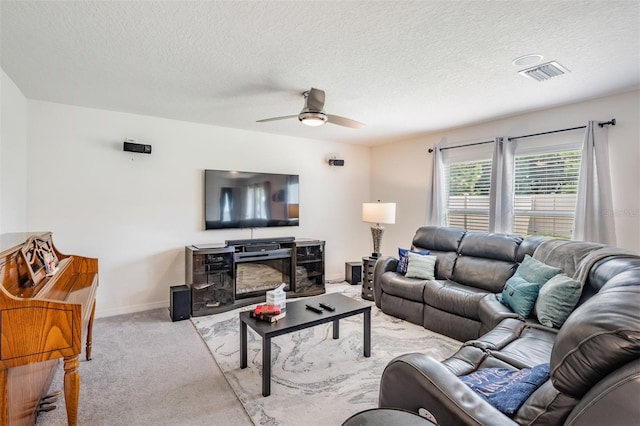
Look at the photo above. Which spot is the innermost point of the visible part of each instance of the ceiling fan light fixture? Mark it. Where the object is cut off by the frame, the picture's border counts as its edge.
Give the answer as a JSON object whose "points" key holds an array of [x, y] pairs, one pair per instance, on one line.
{"points": [[313, 119]]}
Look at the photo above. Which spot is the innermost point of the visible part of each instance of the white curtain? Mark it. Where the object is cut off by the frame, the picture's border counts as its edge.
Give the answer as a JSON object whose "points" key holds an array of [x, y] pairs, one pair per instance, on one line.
{"points": [[501, 202], [594, 219], [437, 208]]}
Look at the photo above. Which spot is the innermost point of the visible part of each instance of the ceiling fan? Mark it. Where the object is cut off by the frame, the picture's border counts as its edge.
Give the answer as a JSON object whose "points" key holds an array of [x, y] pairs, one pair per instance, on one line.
{"points": [[313, 113]]}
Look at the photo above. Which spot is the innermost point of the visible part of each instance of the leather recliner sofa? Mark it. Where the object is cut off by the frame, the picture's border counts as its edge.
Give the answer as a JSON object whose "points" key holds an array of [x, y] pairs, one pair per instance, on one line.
{"points": [[594, 357]]}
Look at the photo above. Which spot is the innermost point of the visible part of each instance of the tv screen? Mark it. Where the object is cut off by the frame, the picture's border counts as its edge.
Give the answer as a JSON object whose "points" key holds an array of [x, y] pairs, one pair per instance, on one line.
{"points": [[235, 199]]}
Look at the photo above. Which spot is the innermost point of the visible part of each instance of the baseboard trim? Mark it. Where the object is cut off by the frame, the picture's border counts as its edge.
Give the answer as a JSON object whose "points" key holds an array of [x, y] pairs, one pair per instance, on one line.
{"points": [[334, 278], [103, 313]]}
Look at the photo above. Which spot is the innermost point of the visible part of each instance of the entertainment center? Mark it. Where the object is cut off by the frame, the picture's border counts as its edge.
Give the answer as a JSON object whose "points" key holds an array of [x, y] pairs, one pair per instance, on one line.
{"points": [[240, 272]]}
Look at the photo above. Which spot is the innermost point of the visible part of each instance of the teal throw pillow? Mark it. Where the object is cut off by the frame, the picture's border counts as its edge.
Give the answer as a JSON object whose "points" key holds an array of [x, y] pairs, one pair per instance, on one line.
{"points": [[556, 300], [403, 259], [535, 271], [421, 266], [520, 295]]}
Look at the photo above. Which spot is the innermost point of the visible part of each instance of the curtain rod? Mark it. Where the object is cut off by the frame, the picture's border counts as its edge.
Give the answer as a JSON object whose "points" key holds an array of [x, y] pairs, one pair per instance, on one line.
{"points": [[611, 122]]}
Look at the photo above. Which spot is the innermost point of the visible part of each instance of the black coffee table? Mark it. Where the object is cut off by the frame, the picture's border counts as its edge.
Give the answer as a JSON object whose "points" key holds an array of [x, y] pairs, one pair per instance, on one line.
{"points": [[298, 318]]}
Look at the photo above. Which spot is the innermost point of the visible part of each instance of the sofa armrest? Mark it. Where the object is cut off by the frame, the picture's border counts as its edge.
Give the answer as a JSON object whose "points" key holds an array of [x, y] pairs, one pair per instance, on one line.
{"points": [[414, 381], [491, 312], [384, 264]]}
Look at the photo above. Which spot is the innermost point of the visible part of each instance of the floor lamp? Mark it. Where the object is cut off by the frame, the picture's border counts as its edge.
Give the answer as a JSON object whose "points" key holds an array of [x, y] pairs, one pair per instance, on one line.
{"points": [[377, 213]]}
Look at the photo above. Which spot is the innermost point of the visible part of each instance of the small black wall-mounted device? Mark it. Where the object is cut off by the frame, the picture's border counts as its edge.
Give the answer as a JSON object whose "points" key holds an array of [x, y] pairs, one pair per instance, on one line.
{"points": [[336, 162], [137, 147]]}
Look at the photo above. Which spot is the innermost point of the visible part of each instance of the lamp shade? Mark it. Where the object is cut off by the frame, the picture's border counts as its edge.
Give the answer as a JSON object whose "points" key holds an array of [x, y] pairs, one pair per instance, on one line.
{"points": [[379, 212]]}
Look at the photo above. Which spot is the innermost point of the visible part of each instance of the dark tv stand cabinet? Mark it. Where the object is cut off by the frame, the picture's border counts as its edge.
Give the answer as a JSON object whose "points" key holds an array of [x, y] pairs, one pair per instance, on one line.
{"points": [[210, 271]]}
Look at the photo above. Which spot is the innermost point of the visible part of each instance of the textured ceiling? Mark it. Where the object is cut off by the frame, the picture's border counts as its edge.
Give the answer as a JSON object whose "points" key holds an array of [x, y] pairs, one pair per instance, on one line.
{"points": [[400, 67]]}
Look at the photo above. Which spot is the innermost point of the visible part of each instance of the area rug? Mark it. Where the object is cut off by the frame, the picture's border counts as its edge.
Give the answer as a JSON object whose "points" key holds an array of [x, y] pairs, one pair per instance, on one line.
{"points": [[316, 380]]}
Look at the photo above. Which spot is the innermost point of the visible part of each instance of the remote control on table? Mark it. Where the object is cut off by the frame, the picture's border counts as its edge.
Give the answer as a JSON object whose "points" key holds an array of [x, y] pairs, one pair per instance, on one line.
{"points": [[314, 309], [327, 307]]}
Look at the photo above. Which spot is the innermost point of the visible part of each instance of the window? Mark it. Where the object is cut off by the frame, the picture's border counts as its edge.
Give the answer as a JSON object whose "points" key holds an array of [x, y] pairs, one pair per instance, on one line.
{"points": [[468, 185], [546, 187]]}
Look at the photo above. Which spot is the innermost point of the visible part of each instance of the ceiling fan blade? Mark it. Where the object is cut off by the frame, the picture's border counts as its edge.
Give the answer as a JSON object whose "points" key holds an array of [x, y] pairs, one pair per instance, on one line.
{"points": [[346, 122], [276, 118], [315, 100]]}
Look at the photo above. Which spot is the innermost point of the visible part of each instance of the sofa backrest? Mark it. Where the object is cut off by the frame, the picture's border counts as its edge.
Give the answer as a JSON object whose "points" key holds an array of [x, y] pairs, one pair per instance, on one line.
{"points": [[599, 337], [609, 272], [486, 260], [480, 259], [442, 242]]}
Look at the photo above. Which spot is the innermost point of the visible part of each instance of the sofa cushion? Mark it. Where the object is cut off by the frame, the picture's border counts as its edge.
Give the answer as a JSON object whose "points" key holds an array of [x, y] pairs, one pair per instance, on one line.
{"points": [[450, 296], [614, 271], [398, 285], [532, 347], [528, 246], [507, 389], [546, 406], [556, 300], [492, 312], [520, 295], [403, 308], [466, 360], [421, 266], [444, 263], [451, 325], [504, 333], [403, 259], [490, 246], [438, 238], [487, 274]]}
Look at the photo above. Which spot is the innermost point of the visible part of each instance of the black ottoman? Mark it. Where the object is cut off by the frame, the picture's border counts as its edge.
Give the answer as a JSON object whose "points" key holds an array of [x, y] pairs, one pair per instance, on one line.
{"points": [[386, 417]]}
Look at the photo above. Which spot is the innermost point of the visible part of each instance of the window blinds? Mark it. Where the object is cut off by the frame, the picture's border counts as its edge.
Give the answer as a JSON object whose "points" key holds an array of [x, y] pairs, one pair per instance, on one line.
{"points": [[468, 186], [545, 193]]}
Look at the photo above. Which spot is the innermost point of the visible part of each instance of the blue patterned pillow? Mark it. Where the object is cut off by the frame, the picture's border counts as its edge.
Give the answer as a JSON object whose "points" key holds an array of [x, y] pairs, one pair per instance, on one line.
{"points": [[403, 259], [507, 389]]}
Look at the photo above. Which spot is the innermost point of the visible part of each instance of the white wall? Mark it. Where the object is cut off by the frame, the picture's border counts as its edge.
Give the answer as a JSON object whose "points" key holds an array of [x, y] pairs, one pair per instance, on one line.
{"points": [[13, 157], [401, 171], [136, 212]]}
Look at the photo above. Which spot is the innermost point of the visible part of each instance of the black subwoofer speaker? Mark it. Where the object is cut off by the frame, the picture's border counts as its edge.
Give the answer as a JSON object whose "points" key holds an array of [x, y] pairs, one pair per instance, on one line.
{"points": [[180, 302], [353, 272]]}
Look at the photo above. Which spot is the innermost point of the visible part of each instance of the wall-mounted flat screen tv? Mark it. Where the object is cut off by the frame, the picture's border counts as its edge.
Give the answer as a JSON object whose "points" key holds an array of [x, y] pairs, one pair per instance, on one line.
{"points": [[234, 199]]}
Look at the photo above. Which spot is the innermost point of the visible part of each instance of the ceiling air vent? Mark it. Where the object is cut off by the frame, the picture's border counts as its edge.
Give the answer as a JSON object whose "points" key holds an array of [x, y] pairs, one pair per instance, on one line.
{"points": [[544, 72]]}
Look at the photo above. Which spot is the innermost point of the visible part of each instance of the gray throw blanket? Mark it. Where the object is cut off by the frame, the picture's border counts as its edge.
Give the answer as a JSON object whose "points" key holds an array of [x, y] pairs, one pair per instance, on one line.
{"points": [[575, 258]]}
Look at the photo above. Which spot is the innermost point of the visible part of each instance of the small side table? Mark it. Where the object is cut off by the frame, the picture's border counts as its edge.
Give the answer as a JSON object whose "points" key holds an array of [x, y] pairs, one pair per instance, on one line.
{"points": [[368, 264]]}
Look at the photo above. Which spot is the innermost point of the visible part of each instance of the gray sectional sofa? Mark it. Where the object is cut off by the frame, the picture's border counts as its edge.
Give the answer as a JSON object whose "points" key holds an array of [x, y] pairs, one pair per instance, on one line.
{"points": [[594, 357]]}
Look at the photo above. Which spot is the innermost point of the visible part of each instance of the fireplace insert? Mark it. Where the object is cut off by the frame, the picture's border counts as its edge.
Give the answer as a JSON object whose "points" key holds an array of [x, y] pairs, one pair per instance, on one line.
{"points": [[258, 272]]}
